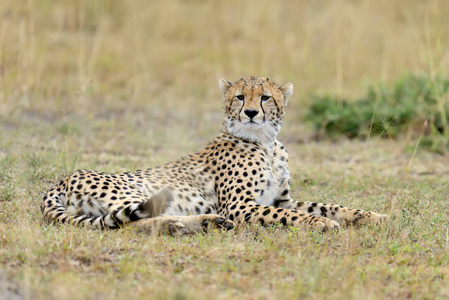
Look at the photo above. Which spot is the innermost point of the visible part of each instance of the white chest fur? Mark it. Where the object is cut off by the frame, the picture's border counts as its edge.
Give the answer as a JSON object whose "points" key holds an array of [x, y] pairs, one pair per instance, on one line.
{"points": [[277, 177]]}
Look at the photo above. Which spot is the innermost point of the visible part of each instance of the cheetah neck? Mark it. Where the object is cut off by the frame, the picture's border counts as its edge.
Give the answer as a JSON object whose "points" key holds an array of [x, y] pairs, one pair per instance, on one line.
{"points": [[263, 134]]}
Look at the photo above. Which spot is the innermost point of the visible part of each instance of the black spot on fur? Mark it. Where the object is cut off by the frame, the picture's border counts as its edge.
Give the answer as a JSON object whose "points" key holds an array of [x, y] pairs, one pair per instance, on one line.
{"points": [[323, 210]]}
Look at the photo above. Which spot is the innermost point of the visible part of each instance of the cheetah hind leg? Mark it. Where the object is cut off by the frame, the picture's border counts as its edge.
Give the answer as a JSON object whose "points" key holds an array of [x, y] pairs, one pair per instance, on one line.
{"points": [[181, 225], [174, 225], [158, 203]]}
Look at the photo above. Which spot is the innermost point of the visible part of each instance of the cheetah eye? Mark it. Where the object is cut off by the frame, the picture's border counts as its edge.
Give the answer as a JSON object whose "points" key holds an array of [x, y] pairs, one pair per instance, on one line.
{"points": [[265, 98], [240, 97]]}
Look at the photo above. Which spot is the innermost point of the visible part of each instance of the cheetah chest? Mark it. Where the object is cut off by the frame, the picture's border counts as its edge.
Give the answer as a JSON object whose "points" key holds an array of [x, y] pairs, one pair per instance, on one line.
{"points": [[275, 181]]}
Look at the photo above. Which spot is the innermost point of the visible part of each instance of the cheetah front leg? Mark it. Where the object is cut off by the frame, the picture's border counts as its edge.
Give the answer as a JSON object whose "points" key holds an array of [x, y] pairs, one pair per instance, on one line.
{"points": [[250, 212], [341, 214], [181, 225]]}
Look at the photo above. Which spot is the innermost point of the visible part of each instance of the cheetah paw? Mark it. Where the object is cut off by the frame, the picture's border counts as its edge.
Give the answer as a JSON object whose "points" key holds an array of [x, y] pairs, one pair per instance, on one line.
{"points": [[325, 224], [371, 218], [217, 223], [178, 229], [332, 225], [380, 218]]}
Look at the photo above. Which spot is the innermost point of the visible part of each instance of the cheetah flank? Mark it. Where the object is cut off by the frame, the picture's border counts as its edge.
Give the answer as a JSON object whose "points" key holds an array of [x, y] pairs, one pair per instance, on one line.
{"points": [[241, 176]]}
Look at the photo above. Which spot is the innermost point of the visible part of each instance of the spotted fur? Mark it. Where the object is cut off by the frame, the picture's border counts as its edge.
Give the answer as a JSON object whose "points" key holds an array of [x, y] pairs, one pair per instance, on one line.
{"points": [[240, 176]]}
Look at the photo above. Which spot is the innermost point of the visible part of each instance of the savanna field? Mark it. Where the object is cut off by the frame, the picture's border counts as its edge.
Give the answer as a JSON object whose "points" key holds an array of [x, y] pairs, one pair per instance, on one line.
{"points": [[125, 85]]}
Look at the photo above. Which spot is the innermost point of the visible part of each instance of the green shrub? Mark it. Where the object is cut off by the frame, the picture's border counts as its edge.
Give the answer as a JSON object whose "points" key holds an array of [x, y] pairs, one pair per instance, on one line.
{"points": [[415, 103]]}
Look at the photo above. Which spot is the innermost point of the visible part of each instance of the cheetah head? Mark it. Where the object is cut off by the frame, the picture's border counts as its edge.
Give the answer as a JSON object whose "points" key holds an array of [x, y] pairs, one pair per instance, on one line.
{"points": [[254, 107]]}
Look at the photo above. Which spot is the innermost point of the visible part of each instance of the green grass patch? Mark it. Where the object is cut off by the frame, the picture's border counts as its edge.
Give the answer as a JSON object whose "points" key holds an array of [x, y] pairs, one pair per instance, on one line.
{"points": [[414, 104]]}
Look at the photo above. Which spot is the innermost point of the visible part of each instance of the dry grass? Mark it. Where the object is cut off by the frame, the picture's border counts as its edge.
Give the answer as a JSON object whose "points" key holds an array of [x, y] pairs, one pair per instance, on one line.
{"points": [[122, 85]]}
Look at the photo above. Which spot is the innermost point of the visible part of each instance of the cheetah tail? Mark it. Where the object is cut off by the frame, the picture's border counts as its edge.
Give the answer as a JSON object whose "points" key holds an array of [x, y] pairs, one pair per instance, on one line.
{"points": [[55, 212]]}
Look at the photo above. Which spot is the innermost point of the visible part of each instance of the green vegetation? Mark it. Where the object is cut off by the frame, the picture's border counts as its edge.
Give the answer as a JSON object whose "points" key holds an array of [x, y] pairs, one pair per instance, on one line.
{"points": [[416, 104]]}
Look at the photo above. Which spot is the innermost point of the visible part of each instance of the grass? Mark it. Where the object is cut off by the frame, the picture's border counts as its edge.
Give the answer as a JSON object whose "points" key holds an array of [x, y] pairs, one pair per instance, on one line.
{"points": [[124, 85], [416, 105]]}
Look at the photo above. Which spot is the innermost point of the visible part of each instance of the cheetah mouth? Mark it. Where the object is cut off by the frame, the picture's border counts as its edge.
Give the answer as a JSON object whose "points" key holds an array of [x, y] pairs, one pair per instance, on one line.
{"points": [[251, 123]]}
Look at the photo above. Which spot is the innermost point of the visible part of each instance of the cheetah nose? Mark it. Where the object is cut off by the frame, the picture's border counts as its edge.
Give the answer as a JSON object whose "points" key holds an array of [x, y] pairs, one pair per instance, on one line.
{"points": [[251, 113]]}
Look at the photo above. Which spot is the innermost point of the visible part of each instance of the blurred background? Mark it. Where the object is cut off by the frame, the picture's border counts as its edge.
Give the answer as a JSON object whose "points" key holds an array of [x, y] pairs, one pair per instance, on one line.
{"points": [[132, 75]]}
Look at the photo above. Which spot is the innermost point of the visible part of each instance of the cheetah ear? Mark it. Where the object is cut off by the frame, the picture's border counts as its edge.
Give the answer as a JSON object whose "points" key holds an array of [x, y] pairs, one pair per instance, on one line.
{"points": [[224, 85], [287, 90]]}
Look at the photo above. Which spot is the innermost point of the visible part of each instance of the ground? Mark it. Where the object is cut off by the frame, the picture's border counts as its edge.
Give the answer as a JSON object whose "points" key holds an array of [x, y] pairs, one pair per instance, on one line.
{"points": [[405, 257], [82, 88]]}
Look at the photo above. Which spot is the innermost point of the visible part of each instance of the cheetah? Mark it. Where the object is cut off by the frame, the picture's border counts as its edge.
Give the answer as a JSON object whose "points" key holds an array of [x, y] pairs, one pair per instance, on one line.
{"points": [[240, 176]]}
